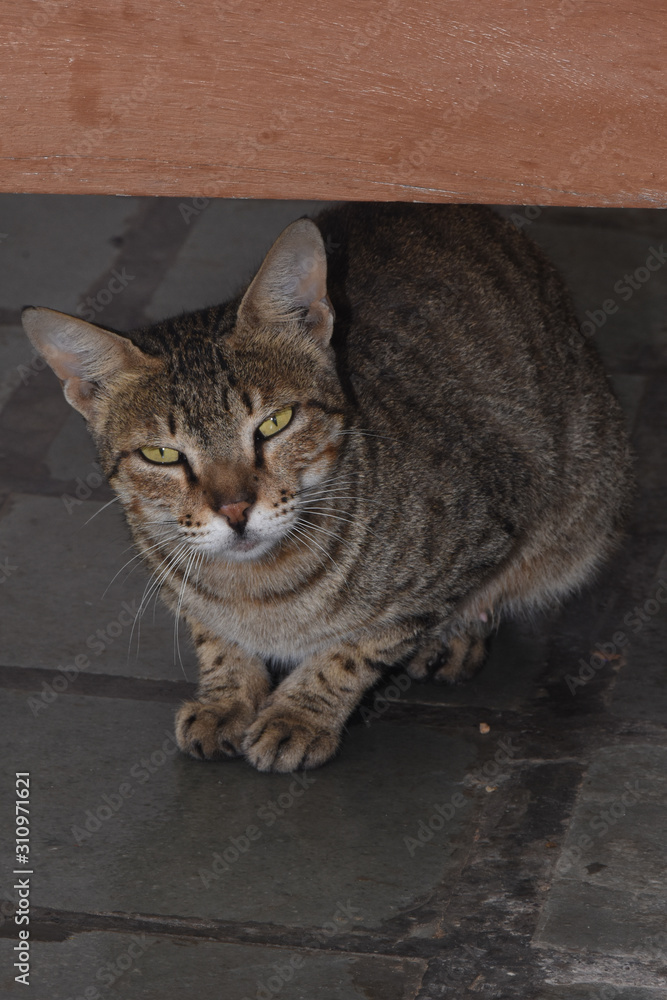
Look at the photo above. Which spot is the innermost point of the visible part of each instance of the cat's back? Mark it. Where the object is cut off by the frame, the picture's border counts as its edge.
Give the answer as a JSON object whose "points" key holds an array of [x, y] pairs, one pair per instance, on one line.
{"points": [[454, 282], [456, 337]]}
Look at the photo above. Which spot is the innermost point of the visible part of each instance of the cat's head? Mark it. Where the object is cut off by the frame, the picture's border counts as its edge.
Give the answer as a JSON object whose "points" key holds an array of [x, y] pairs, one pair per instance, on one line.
{"points": [[210, 427]]}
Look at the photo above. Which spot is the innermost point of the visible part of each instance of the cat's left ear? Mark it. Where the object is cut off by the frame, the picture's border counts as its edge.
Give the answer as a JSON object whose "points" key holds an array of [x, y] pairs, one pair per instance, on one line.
{"points": [[292, 284], [86, 359]]}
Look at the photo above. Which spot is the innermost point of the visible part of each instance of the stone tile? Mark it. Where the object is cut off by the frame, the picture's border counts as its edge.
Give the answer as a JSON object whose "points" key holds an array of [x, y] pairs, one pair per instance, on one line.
{"points": [[57, 245], [646, 221], [640, 688], [608, 894], [650, 508], [223, 252], [594, 249], [72, 454], [15, 358], [593, 262], [54, 607], [640, 691], [169, 835], [600, 991], [144, 967]]}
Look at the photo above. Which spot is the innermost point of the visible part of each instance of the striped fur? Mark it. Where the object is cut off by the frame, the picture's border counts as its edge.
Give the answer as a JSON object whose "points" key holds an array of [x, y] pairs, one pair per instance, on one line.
{"points": [[454, 455]]}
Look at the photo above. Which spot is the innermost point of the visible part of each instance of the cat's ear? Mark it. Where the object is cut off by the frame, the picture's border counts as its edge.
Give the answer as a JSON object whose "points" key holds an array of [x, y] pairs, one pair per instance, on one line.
{"points": [[292, 283], [85, 358]]}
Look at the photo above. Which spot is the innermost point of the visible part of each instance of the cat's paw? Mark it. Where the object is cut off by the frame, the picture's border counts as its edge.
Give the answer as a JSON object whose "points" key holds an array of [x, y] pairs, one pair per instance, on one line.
{"points": [[212, 730], [421, 665], [281, 739], [464, 656]]}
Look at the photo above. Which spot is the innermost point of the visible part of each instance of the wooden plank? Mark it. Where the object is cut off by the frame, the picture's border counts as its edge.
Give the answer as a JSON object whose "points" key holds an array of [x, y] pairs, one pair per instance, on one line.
{"points": [[559, 102]]}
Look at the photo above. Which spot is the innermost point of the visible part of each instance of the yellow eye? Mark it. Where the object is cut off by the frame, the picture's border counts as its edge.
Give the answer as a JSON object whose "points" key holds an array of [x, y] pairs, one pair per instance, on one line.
{"points": [[275, 422], [161, 456]]}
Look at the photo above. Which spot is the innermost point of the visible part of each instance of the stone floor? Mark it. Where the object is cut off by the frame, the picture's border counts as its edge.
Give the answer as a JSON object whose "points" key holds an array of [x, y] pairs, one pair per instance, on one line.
{"points": [[431, 859]]}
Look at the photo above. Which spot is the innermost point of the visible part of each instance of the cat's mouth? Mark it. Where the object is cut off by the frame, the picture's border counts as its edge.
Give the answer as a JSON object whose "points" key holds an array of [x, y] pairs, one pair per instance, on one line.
{"points": [[246, 545], [245, 548]]}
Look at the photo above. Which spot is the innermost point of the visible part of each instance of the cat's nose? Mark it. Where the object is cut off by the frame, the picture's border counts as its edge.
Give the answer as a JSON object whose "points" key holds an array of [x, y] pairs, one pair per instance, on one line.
{"points": [[236, 514]]}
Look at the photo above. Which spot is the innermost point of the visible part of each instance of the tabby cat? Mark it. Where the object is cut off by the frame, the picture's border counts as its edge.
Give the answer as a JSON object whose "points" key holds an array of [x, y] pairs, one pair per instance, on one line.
{"points": [[391, 439]]}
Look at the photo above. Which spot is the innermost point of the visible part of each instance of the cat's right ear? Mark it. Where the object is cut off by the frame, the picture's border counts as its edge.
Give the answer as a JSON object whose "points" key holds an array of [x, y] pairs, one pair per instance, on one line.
{"points": [[85, 358], [292, 284]]}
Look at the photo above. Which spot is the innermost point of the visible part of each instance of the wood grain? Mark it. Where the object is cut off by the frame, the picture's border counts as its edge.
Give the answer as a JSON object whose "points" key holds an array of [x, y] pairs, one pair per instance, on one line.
{"points": [[558, 102]]}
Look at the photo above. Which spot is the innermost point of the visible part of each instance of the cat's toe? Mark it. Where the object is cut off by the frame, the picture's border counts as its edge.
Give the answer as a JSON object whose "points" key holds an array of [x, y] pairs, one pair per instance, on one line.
{"points": [[465, 656], [212, 731], [279, 741], [421, 664]]}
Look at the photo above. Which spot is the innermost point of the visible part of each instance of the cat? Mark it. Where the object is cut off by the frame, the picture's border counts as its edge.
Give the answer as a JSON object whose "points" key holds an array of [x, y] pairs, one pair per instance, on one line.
{"points": [[364, 459]]}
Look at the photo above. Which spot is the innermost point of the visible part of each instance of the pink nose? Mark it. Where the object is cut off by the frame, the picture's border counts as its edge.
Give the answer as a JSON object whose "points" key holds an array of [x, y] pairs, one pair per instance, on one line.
{"points": [[235, 512]]}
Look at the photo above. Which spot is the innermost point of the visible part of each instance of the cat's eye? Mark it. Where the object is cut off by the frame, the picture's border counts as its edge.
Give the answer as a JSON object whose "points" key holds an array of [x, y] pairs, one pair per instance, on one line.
{"points": [[161, 456], [275, 422]]}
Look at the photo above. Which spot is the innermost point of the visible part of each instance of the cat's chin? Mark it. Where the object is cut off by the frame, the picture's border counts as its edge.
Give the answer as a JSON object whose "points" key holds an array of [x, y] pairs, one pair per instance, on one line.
{"points": [[245, 550]]}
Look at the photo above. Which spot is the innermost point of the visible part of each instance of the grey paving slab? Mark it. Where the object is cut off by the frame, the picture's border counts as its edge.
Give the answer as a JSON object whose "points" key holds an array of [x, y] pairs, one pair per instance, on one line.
{"points": [[123, 822], [609, 891], [601, 991], [53, 606], [72, 453], [627, 311], [144, 967], [650, 434], [640, 689], [649, 221], [223, 251], [56, 246], [15, 360]]}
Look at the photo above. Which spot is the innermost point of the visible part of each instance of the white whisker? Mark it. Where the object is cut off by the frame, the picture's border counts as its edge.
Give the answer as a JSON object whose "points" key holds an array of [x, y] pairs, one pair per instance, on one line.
{"points": [[301, 531], [115, 500], [138, 555], [156, 580], [177, 647]]}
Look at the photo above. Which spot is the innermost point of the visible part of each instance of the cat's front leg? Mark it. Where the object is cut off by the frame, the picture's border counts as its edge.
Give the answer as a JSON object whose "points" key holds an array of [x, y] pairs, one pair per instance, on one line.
{"points": [[300, 724], [232, 687]]}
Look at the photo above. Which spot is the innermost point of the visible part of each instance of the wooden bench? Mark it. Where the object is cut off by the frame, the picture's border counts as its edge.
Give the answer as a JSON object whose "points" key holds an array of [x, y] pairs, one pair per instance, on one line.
{"points": [[558, 102]]}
